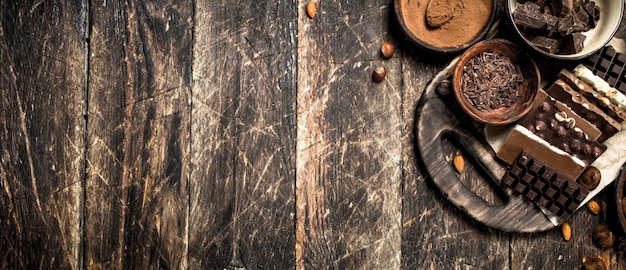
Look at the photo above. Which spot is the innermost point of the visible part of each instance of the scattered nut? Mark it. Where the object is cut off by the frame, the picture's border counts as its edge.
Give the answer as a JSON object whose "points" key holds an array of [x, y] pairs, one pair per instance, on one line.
{"points": [[567, 231], [603, 237], [311, 9], [594, 263], [593, 207], [590, 178], [379, 74], [459, 163], [387, 49]]}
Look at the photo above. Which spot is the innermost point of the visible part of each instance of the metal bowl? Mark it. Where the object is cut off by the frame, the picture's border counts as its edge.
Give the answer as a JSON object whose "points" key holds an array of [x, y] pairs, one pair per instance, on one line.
{"points": [[527, 89], [611, 12], [404, 8]]}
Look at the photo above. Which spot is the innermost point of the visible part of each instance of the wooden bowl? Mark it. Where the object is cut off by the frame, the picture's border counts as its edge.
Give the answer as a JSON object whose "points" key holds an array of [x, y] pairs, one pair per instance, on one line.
{"points": [[411, 15], [527, 89], [611, 12]]}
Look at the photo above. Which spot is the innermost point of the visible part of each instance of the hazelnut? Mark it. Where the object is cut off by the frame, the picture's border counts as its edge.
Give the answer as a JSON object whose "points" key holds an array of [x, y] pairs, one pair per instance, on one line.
{"points": [[590, 178], [311, 9], [594, 263], [603, 237], [387, 49], [379, 74], [540, 125]]}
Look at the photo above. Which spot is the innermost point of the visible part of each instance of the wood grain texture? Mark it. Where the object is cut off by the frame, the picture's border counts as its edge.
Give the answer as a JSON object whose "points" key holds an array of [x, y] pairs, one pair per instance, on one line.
{"points": [[348, 147], [550, 251], [437, 235], [138, 127], [42, 77], [243, 144]]}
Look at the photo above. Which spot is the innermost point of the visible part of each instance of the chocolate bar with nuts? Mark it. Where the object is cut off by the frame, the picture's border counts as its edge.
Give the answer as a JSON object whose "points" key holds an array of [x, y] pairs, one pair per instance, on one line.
{"points": [[561, 91], [587, 127], [540, 183], [560, 129], [593, 96]]}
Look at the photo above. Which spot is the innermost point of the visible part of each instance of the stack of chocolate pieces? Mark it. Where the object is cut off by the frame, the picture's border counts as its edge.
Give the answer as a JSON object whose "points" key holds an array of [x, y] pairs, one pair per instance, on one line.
{"points": [[559, 139], [556, 26]]}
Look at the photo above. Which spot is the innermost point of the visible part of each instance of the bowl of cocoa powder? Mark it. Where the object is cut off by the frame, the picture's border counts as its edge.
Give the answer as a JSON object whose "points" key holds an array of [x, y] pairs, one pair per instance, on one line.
{"points": [[495, 82], [445, 26]]}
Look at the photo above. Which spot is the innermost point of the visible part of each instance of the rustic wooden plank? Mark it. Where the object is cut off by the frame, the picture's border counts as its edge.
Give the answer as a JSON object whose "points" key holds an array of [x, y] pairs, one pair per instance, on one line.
{"points": [[437, 235], [243, 134], [550, 251], [138, 126], [349, 140], [42, 80]]}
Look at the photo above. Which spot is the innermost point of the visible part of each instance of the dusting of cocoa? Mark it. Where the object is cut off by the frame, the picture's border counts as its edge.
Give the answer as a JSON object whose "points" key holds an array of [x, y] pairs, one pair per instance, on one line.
{"points": [[449, 23]]}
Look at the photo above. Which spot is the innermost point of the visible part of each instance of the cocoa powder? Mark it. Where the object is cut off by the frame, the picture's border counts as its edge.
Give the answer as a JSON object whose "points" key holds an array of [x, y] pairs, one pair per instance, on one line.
{"points": [[459, 27]]}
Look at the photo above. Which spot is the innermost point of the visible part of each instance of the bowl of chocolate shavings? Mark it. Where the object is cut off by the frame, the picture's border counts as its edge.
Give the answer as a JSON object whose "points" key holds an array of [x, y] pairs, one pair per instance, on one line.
{"points": [[495, 82], [565, 29]]}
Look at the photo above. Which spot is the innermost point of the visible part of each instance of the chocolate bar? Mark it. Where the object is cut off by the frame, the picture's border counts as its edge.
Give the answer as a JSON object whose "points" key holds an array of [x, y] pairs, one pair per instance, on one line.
{"points": [[593, 96], [521, 139], [540, 183], [560, 130], [593, 133], [583, 107], [602, 86], [609, 65]]}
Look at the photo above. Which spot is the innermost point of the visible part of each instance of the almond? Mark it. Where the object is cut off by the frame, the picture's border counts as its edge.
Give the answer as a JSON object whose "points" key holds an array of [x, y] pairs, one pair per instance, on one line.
{"points": [[593, 207], [567, 231], [311, 9], [459, 163]]}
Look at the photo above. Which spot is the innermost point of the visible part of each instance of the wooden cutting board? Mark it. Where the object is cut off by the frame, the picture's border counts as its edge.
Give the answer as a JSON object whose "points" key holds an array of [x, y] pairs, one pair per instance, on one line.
{"points": [[436, 120]]}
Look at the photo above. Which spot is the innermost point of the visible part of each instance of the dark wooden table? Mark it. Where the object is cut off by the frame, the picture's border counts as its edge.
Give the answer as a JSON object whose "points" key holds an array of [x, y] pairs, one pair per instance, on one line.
{"points": [[231, 135]]}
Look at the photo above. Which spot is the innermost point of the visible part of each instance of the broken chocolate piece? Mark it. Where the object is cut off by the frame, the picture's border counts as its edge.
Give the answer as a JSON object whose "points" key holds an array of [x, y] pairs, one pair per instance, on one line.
{"points": [[565, 25], [561, 196], [547, 44], [573, 43], [529, 15]]}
